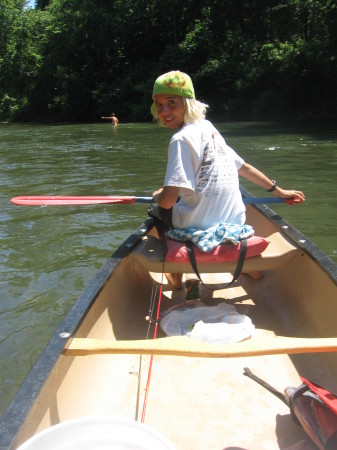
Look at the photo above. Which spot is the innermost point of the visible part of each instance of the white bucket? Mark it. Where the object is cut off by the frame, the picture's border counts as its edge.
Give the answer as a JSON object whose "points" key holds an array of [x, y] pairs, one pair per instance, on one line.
{"points": [[98, 433]]}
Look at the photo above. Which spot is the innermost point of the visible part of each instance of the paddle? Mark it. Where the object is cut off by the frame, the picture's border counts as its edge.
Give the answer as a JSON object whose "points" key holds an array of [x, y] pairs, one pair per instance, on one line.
{"points": [[263, 343], [54, 200]]}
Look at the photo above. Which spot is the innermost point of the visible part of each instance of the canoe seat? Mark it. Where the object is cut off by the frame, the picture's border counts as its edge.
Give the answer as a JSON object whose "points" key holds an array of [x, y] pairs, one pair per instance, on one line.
{"points": [[149, 254]]}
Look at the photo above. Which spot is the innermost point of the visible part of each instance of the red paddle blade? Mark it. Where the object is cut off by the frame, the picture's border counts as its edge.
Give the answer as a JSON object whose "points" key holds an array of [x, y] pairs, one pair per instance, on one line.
{"points": [[68, 200]]}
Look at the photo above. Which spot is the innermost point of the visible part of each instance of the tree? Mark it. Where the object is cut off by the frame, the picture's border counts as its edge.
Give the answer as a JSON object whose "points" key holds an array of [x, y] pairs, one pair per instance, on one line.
{"points": [[77, 59], [19, 56]]}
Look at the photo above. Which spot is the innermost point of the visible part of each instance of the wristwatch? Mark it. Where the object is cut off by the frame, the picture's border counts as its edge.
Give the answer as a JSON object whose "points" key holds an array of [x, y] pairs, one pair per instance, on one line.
{"points": [[273, 186]]}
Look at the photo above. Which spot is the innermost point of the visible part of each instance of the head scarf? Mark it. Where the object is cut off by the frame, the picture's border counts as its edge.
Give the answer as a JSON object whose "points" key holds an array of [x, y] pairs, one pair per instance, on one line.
{"points": [[175, 83]]}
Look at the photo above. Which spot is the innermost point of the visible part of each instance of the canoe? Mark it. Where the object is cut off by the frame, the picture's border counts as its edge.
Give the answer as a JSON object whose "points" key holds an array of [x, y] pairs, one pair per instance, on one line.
{"points": [[197, 396]]}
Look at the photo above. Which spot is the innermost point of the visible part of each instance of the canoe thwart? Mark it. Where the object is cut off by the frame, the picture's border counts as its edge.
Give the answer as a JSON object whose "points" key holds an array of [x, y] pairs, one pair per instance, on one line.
{"points": [[262, 344]]}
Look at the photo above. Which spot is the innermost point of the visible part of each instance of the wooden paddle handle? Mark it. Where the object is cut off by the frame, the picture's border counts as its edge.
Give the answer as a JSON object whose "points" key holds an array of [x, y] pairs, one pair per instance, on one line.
{"points": [[184, 346]]}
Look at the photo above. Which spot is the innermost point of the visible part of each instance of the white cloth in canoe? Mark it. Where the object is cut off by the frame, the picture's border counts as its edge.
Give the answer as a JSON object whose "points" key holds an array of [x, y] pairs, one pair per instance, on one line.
{"points": [[213, 324]]}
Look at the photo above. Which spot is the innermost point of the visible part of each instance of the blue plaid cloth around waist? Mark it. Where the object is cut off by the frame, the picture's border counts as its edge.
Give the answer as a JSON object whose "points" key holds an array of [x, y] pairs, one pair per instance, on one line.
{"points": [[208, 239]]}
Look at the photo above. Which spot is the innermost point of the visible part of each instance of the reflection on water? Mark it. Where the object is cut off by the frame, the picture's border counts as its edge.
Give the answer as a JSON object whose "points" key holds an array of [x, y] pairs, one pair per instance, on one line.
{"points": [[49, 254]]}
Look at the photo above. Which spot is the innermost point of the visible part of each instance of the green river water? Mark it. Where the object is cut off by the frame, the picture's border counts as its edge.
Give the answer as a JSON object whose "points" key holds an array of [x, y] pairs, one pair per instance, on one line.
{"points": [[49, 254]]}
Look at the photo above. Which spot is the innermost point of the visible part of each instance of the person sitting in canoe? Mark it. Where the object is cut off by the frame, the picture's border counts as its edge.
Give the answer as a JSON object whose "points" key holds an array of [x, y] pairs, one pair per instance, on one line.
{"points": [[113, 119], [201, 185]]}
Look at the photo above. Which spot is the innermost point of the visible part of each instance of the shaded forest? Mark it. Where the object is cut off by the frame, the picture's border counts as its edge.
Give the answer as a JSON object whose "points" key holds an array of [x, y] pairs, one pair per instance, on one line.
{"points": [[73, 60]]}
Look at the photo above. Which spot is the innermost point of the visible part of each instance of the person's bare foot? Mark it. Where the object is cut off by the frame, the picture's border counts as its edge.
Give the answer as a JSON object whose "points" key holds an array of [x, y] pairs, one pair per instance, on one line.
{"points": [[257, 275], [175, 279]]}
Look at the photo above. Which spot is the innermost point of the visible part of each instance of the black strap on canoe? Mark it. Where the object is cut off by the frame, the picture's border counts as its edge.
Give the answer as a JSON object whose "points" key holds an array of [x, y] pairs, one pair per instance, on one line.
{"points": [[243, 251]]}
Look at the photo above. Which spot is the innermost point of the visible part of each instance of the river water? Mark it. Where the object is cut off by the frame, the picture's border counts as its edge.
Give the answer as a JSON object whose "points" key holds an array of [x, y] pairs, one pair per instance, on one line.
{"points": [[49, 254]]}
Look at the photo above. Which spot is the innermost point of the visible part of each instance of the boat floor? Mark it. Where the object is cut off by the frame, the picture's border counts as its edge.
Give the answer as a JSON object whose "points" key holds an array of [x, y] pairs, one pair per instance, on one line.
{"points": [[215, 405], [197, 403]]}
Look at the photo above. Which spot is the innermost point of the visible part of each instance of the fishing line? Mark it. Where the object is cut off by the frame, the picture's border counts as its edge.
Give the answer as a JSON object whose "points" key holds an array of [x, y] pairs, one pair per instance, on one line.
{"points": [[149, 318], [154, 337]]}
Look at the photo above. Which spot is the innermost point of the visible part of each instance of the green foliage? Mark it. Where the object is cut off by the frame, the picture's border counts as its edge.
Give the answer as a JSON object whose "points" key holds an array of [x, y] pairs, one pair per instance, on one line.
{"points": [[78, 59]]}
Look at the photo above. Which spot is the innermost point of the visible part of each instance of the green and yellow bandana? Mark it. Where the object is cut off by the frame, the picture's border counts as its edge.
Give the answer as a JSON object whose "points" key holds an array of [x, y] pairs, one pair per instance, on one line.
{"points": [[175, 83]]}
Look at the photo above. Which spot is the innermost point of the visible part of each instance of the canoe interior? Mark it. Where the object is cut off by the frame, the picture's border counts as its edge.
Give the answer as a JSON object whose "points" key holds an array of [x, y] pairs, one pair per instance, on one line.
{"points": [[197, 403]]}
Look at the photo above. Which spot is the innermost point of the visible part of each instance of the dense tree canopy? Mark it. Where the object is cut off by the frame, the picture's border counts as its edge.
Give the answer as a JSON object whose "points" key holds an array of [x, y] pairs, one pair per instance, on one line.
{"points": [[77, 59]]}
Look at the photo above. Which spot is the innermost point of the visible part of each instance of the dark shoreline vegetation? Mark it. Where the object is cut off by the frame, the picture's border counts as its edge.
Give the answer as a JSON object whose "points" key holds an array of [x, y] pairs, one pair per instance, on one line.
{"points": [[75, 60]]}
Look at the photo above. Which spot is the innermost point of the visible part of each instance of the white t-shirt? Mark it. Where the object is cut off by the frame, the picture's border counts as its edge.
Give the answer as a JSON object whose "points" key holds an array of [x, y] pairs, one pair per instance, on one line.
{"points": [[205, 169]]}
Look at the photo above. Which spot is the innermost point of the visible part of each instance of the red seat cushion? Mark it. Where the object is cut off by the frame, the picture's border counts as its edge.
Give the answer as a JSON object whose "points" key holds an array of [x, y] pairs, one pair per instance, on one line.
{"points": [[225, 252]]}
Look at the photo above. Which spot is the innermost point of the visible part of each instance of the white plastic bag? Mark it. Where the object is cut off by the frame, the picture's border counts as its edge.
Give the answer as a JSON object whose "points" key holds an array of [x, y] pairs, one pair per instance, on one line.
{"points": [[215, 324]]}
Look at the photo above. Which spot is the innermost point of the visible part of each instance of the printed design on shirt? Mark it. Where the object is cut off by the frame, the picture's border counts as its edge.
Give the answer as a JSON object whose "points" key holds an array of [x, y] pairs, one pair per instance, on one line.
{"points": [[206, 168], [215, 168]]}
